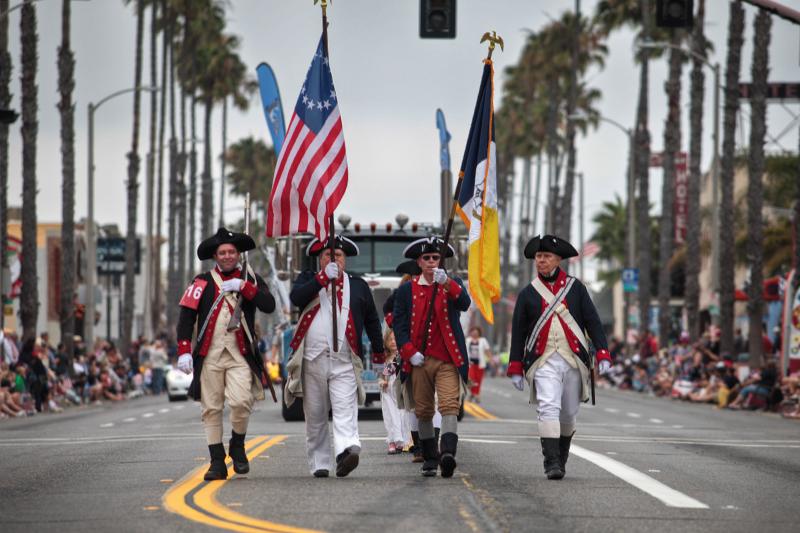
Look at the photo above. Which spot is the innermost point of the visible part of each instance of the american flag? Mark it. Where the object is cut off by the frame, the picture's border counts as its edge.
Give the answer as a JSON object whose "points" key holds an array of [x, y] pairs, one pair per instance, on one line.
{"points": [[590, 249], [311, 172]]}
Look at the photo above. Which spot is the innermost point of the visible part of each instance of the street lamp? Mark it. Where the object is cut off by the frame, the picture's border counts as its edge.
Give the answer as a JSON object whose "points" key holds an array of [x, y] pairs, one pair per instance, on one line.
{"points": [[91, 245], [630, 256], [715, 244]]}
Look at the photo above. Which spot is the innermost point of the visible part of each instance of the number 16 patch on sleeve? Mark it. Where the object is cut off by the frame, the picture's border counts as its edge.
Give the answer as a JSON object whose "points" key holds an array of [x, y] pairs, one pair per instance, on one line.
{"points": [[191, 297]]}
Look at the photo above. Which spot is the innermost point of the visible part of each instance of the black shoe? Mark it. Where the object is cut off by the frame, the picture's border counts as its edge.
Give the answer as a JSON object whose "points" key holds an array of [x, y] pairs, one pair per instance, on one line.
{"points": [[346, 462], [236, 452], [552, 460], [321, 473], [217, 470], [416, 449], [430, 455], [563, 449], [448, 458]]}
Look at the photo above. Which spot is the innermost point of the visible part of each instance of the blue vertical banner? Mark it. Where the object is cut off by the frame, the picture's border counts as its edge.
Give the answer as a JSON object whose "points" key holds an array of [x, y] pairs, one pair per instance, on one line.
{"points": [[271, 102], [444, 141]]}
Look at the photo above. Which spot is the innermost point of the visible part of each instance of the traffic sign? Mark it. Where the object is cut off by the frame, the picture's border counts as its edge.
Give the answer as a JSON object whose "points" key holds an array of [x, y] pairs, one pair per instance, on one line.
{"points": [[630, 279], [111, 255]]}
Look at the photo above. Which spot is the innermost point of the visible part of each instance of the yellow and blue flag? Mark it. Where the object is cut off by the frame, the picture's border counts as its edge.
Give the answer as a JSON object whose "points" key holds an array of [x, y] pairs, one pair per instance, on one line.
{"points": [[477, 201]]}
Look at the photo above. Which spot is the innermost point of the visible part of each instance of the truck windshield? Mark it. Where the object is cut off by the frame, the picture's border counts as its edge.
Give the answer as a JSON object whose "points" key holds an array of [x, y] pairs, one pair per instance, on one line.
{"points": [[377, 256]]}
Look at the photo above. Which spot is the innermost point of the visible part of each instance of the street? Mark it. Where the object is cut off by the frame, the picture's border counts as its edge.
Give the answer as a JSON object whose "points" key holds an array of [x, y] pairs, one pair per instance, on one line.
{"points": [[637, 464]]}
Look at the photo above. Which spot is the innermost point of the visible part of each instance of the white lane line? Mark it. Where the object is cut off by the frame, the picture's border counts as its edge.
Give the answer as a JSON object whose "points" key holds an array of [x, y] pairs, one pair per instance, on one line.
{"points": [[611, 410], [129, 419], [108, 425], [677, 427], [147, 415], [634, 415], [165, 410], [178, 407], [656, 421], [489, 441], [667, 495]]}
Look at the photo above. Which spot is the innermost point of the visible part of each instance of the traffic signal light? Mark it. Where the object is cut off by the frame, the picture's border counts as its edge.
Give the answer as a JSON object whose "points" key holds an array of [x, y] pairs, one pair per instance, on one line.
{"points": [[437, 19], [674, 13], [8, 116]]}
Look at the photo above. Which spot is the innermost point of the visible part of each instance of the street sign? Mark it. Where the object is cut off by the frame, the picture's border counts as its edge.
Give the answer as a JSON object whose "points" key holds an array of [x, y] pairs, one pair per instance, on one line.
{"points": [[630, 279], [111, 256]]}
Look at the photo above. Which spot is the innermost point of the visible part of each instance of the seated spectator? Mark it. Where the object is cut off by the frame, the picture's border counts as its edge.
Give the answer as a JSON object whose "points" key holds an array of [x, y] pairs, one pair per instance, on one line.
{"points": [[108, 388], [757, 390]]}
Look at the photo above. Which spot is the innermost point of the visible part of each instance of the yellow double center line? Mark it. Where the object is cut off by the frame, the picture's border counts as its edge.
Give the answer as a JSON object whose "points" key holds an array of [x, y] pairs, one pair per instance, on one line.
{"points": [[202, 505], [478, 412]]}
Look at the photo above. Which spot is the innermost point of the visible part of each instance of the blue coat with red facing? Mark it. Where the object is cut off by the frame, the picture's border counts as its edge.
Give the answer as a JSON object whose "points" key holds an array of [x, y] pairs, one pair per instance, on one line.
{"points": [[529, 308], [446, 340]]}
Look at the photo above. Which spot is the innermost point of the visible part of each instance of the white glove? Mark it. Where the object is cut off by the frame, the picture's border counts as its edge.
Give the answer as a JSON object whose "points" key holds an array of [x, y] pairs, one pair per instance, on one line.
{"points": [[332, 270], [518, 381], [417, 359], [185, 363], [439, 276], [604, 365], [232, 285]]}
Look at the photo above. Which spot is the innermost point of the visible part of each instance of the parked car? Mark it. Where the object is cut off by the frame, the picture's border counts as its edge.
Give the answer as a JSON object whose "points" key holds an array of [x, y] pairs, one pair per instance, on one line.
{"points": [[177, 384]]}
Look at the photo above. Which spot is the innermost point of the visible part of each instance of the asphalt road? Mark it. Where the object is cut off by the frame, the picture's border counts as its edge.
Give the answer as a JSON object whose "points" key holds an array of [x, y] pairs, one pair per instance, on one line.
{"points": [[638, 464]]}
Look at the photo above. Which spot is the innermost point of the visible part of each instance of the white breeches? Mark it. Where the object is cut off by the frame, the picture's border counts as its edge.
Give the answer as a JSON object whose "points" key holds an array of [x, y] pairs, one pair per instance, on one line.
{"points": [[394, 418], [329, 383], [558, 392]]}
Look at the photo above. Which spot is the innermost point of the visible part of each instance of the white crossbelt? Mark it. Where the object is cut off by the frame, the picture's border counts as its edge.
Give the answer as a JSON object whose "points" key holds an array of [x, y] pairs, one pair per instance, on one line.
{"points": [[555, 305]]}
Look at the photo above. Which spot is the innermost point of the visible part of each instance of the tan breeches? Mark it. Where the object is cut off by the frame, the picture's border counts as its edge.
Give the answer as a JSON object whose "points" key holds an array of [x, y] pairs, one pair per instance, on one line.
{"points": [[225, 376], [439, 378]]}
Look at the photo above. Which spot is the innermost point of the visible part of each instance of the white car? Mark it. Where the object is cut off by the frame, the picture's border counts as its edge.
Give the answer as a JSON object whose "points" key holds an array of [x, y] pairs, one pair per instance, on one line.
{"points": [[177, 383]]}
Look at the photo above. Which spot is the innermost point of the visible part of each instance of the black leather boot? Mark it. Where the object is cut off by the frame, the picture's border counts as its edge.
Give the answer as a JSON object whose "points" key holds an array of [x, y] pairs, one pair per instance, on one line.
{"points": [[417, 448], [563, 449], [448, 458], [431, 457], [347, 461], [436, 432], [217, 470], [552, 461], [236, 452]]}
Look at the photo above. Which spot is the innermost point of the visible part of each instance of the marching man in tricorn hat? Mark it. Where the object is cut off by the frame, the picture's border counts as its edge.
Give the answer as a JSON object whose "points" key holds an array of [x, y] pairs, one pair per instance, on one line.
{"points": [[437, 359], [225, 362], [549, 348], [330, 380]]}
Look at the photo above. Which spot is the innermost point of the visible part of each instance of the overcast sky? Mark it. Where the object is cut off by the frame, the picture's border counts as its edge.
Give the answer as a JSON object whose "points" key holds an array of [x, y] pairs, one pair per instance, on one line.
{"points": [[389, 83]]}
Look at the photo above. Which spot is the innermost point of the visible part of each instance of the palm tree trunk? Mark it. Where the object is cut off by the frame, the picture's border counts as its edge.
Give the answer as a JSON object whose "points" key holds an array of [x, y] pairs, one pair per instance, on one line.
{"points": [[524, 222], [133, 191], [551, 221], [173, 289], [66, 82], [726, 234], [150, 318], [222, 162], [29, 297], [692, 293], [643, 177], [192, 187], [206, 200], [181, 224], [755, 188], [162, 120], [565, 213], [672, 145], [5, 101]]}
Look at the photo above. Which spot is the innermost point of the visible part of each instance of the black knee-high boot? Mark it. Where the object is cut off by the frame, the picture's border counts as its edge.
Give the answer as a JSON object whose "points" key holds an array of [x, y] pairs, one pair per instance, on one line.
{"points": [[431, 456], [236, 452], [552, 460], [448, 455], [417, 448], [217, 470], [563, 449]]}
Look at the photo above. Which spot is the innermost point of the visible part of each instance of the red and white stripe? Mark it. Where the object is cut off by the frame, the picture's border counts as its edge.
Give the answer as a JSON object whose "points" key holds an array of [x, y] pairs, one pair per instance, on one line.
{"points": [[310, 178]]}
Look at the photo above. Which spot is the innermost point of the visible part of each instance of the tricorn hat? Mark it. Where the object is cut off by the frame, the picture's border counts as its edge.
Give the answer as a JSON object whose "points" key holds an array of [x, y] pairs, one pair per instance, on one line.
{"points": [[427, 245], [409, 267], [552, 244], [208, 247], [316, 246]]}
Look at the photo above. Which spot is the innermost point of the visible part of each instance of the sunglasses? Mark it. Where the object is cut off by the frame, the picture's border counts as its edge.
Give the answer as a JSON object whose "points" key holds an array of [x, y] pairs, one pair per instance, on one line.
{"points": [[431, 257]]}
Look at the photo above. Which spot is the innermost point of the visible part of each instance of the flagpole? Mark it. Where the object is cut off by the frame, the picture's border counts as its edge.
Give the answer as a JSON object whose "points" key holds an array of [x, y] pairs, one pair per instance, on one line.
{"points": [[493, 39], [331, 227]]}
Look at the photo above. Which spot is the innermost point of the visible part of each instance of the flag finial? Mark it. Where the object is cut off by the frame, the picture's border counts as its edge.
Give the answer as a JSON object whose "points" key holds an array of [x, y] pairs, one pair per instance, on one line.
{"points": [[493, 39], [324, 6]]}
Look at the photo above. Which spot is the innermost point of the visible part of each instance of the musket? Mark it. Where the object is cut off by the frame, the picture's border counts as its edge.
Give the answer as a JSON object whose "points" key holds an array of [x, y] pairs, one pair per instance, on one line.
{"points": [[236, 317]]}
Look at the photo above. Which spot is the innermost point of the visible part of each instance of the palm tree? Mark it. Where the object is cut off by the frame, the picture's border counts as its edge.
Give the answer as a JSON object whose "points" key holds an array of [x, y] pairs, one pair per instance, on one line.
{"points": [[29, 297], [692, 296], [159, 186], [672, 145], [152, 247], [66, 82], [726, 245], [5, 102], [133, 190], [252, 167], [755, 189], [611, 226]]}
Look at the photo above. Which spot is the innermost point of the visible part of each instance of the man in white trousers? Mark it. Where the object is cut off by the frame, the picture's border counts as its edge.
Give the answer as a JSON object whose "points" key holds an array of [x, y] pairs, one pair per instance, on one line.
{"points": [[549, 348], [331, 380]]}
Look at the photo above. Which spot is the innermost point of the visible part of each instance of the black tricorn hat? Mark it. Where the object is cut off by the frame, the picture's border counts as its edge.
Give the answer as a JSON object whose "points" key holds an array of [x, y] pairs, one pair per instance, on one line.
{"points": [[409, 267], [208, 247], [552, 244], [315, 247], [427, 245]]}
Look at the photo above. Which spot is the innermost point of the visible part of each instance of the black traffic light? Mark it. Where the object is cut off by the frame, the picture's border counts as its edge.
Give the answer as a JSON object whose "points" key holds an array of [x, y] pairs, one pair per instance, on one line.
{"points": [[437, 19], [674, 13], [8, 116]]}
